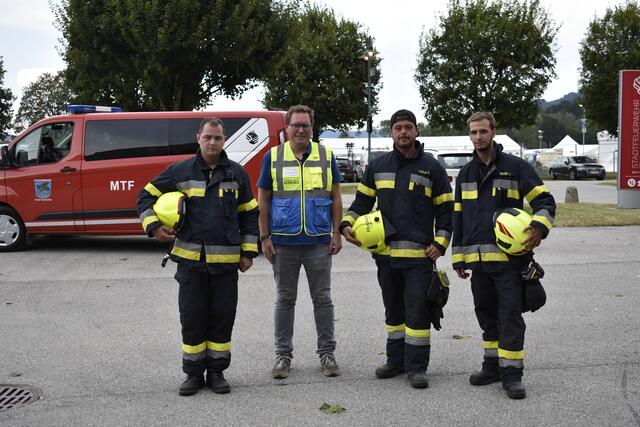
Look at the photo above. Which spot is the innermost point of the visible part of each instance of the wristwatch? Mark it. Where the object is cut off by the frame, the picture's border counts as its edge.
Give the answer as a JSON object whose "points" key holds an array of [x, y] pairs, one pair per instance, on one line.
{"points": [[265, 237]]}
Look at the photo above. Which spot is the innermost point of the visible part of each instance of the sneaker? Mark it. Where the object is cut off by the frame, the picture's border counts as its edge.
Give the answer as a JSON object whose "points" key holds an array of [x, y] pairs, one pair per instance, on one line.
{"points": [[483, 377], [217, 383], [418, 379], [191, 385], [329, 365], [387, 371], [281, 366], [515, 390]]}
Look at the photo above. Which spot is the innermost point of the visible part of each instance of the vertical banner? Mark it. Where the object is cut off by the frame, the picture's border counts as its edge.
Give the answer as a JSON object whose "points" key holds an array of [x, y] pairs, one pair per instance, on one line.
{"points": [[629, 123]]}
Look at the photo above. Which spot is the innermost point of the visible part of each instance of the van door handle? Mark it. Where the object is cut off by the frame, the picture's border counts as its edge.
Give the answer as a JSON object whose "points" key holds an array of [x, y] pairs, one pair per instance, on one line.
{"points": [[68, 169]]}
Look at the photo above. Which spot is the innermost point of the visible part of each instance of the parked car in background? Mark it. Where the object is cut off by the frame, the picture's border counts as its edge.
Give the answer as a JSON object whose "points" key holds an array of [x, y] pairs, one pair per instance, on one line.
{"points": [[453, 161], [575, 167], [351, 170]]}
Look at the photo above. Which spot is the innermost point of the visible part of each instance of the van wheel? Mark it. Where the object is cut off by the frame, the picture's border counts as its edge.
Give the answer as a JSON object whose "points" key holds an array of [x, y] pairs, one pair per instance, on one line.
{"points": [[552, 174], [13, 234]]}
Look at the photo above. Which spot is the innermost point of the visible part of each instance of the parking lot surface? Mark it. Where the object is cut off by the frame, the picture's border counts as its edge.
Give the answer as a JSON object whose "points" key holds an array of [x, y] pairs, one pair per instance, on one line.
{"points": [[92, 323]]}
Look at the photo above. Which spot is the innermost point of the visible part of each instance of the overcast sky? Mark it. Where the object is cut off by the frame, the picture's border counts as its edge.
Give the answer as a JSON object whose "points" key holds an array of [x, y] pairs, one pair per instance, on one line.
{"points": [[29, 43]]}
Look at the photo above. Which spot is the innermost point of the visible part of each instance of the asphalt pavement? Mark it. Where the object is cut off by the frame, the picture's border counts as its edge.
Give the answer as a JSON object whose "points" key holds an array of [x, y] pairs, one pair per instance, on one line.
{"points": [[92, 323]]}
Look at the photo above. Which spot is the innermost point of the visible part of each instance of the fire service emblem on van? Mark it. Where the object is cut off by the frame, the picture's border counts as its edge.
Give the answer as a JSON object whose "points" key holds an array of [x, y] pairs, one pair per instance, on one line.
{"points": [[42, 189], [636, 84], [252, 137]]}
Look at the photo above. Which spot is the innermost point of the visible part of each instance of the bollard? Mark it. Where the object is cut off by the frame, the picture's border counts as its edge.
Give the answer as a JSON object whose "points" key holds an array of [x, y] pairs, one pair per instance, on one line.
{"points": [[572, 195]]}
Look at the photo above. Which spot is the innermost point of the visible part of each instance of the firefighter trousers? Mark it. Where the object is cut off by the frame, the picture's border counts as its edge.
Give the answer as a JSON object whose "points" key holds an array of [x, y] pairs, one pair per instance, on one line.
{"points": [[407, 317], [497, 297], [207, 305]]}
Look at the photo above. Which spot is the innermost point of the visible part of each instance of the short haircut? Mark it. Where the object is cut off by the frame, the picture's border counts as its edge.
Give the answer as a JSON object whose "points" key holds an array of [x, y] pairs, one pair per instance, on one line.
{"points": [[482, 115], [213, 121], [298, 109]]}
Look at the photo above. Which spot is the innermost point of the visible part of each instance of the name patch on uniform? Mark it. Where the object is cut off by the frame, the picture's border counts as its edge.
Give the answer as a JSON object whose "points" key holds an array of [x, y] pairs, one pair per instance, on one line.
{"points": [[42, 189], [290, 172], [424, 172]]}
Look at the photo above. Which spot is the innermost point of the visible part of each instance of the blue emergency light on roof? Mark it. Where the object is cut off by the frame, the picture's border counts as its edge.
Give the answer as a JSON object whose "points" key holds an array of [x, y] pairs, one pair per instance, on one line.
{"points": [[79, 109]]}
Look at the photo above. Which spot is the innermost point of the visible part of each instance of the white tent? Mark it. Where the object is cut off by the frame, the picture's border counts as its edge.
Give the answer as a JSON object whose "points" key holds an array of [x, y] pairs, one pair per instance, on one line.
{"points": [[437, 143], [570, 147]]}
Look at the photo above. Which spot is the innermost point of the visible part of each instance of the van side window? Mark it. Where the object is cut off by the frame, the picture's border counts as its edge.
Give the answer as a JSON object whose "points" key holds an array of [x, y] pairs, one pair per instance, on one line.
{"points": [[46, 144], [119, 139]]}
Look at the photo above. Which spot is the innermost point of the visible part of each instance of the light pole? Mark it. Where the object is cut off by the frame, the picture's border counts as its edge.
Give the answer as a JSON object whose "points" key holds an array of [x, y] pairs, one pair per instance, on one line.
{"points": [[583, 121], [540, 137], [369, 56]]}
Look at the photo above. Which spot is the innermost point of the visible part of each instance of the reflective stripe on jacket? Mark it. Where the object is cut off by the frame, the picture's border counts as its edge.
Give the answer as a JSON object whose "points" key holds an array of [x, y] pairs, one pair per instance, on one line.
{"points": [[301, 198], [508, 182], [221, 222]]}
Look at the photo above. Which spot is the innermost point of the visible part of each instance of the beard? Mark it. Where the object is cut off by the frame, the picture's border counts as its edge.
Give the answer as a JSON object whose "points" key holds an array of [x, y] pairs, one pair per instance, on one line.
{"points": [[483, 148]]}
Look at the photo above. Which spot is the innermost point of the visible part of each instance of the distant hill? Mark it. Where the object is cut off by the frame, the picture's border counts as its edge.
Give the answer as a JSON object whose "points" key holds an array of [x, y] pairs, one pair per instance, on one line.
{"points": [[571, 97]]}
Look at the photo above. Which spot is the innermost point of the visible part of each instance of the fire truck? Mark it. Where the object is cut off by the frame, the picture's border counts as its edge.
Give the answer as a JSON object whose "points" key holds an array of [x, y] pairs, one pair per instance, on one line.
{"points": [[80, 173]]}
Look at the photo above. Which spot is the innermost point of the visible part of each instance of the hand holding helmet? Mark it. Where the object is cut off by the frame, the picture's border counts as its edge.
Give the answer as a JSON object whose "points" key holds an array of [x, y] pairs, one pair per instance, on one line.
{"points": [[170, 208], [369, 231], [512, 230]]}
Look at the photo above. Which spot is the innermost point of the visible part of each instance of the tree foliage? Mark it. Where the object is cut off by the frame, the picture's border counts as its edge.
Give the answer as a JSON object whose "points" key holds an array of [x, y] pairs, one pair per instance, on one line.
{"points": [[611, 45], [48, 96], [6, 101], [486, 55], [322, 69], [168, 54]]}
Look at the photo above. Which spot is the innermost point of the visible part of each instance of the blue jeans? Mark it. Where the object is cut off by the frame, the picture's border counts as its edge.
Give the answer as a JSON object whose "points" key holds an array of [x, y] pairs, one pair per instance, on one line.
{"points": [[286, 270]]}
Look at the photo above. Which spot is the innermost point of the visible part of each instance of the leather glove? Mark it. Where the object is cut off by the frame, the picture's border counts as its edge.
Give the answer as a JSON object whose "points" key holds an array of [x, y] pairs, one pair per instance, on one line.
{"points": [[533, 296], [437, 297]]}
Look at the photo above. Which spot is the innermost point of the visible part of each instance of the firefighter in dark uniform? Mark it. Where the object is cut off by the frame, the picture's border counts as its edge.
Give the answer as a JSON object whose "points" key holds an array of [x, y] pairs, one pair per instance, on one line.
{"points": [[413, 194], [494, 180], [219, 237]]}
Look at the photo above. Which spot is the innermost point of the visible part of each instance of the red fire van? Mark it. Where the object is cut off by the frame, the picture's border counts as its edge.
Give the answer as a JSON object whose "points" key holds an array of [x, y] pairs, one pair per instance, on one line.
{"points": [[81, 173]]}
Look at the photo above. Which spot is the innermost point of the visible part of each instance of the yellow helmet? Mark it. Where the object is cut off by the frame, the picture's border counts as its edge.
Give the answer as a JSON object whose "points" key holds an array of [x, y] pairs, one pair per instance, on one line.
{"points": [[171, 209], [369, 230], [509, 225]]}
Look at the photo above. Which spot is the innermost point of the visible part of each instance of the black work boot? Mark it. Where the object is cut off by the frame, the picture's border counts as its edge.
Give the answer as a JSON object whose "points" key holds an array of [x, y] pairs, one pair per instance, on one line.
{"points": [[191, 385], [217, 383], [483, 377], [515, 390], [488, 373], [418, 379], [387, 371]]}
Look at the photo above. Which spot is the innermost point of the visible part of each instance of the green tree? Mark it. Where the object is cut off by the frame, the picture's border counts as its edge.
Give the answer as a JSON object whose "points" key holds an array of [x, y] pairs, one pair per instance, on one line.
{"points": [[6, 100], [486, 55], [384, 128], [48, 96], [168, 54], [322, 69], [611, 45]]}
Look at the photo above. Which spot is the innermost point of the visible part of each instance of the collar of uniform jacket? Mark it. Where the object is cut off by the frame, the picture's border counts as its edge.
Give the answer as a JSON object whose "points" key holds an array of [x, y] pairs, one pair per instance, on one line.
{"points": [[497, 149], [418, 153], [224, 160]]}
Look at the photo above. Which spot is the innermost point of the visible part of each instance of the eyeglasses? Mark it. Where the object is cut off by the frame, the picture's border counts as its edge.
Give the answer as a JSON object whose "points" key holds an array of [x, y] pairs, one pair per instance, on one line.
{"points": [[299, 126]]}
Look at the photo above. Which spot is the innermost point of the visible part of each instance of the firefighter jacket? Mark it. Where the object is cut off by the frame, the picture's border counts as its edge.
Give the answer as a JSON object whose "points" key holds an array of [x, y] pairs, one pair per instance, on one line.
{"points": [[221, 222], [412, 193], [507, 182], [301, 198]]}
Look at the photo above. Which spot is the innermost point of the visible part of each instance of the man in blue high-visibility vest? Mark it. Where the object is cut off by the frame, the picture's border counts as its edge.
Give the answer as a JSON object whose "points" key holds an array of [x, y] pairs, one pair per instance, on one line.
{"points": [[300, 210]]}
